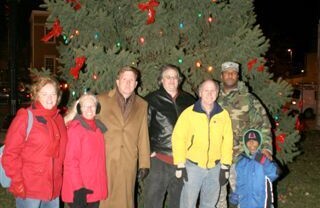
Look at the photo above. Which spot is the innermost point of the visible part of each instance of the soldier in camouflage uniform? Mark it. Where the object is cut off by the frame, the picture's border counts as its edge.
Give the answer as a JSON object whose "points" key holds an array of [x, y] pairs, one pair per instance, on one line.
{"points": [[246, 112]]}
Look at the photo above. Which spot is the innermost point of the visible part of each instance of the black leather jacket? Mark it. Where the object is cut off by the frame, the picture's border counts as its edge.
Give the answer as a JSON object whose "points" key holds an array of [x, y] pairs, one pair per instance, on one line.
{"points": [[163, 113]]}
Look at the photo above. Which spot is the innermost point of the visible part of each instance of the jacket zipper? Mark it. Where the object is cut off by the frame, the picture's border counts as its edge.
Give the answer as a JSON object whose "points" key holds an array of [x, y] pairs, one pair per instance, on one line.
{"points": [[208, 141], [175, 107]]}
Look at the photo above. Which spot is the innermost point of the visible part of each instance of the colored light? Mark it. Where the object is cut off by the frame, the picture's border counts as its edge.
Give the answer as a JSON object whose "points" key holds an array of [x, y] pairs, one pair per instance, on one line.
{"points": [[118, 44], [141, 40], [181, 25], [210, 19], [180, 61], [96, 35], [210, 68], [198, 64]]}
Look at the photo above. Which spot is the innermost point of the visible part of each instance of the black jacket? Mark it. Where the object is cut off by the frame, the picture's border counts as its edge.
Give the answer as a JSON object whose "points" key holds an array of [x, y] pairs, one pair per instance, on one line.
{"points": [[163, 113]]}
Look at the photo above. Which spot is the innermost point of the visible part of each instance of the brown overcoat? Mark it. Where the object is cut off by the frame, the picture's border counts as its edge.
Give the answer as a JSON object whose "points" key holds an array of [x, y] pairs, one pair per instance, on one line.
{"points": [[127, 145]]}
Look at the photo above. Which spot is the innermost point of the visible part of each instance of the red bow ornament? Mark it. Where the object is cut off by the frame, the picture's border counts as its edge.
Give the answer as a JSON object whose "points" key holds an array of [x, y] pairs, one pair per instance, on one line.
{"points": [[251, 63], [280, 140], [150, 7], [74, 71], [55, 32], [75, 4]]}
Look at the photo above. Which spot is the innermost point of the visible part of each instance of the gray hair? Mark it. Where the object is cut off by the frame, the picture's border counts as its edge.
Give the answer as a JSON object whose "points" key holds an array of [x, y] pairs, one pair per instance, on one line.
{"points": [[216, 84], [166, 67]]}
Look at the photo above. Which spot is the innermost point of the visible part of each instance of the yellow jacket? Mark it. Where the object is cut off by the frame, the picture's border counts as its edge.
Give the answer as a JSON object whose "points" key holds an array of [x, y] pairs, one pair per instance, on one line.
{"points": [[203, 140]]}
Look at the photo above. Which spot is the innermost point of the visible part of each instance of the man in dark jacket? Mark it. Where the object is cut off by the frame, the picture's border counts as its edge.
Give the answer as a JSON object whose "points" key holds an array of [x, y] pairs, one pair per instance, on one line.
{"points": [[165, 106]]}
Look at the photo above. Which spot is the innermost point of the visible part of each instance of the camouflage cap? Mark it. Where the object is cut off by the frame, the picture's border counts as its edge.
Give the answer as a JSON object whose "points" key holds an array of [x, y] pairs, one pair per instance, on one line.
{"points": [[230, 65]]}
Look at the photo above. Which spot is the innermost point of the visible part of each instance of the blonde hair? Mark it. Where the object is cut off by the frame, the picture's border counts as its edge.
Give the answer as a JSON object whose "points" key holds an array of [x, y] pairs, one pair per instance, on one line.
{"points": [[128, 68], [88, 95], [42, 81]]}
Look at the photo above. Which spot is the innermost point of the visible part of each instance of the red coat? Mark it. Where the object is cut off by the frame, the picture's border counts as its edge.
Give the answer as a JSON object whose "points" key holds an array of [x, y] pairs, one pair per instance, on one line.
{"points": [[85, 163], [29, 162]]}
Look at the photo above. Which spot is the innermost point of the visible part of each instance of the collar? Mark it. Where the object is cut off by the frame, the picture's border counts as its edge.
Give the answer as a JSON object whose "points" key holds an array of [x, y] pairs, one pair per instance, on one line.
{"points": [[241, 88], [165, 93], [83, 123], [197, 107]]}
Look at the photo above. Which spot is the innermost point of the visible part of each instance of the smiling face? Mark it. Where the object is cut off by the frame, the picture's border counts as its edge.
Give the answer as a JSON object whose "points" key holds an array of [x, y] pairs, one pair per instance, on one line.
{"points": [[208, 93], [252, 145], [229, 78], [47, 96], [88, 106], [170, 81], [126, 83]]}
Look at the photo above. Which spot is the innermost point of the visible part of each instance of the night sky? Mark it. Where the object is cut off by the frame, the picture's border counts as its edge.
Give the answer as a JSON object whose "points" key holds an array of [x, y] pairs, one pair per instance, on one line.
{"points": [[289, 23]]}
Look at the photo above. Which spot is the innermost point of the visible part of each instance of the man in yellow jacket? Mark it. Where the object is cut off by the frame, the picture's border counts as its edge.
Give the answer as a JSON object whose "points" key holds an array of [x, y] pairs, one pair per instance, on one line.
{"points": [[202, 142]]}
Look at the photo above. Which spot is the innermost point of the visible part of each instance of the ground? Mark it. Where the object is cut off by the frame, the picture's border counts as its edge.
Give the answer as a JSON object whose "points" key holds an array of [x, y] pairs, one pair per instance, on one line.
{"points": [[298, 188]]}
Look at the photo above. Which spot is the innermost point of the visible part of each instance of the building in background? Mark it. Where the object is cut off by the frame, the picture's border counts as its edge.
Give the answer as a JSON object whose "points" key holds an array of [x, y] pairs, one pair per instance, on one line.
{"points": [[305, 98], [43, 54]]}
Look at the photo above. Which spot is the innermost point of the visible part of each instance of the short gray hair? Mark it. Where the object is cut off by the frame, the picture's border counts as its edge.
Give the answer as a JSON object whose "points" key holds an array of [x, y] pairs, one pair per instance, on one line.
{"points": [[216, 84]]}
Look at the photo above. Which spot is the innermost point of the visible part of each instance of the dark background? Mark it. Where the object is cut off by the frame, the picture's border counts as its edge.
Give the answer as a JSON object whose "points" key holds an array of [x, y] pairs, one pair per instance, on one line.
{"points": [[289, 24]]}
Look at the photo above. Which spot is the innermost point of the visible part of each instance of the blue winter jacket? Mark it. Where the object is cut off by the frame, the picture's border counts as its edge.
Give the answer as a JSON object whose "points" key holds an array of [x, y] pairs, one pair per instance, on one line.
{"points": [[255, 175]]}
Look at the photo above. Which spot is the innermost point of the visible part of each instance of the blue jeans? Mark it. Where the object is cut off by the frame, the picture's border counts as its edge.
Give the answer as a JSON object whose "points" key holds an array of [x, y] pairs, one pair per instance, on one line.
{"points": [[160, 180], [36, 203], [205, 181]]}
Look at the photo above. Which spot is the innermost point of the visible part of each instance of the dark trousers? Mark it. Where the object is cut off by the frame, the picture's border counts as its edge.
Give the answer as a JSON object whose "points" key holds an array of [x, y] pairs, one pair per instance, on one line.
{"points": [[89, 205], [162, 179]]}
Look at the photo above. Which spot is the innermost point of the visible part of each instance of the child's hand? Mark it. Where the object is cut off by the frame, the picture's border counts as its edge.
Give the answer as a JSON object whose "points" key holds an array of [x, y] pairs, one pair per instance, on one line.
{"points": [[267, 153]]}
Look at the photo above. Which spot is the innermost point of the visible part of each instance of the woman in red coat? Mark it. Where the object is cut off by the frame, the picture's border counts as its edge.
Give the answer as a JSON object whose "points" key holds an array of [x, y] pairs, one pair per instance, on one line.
{"points": [[35, 165], [85, 178]]}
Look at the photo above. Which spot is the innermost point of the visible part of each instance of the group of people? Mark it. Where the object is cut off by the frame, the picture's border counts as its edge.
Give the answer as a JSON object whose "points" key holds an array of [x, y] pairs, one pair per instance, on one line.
{"points": [[181, 147]]}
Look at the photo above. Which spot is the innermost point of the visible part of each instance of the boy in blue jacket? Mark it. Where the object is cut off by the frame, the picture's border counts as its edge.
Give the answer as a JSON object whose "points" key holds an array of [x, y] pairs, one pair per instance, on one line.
{"points": [[255, 174]]}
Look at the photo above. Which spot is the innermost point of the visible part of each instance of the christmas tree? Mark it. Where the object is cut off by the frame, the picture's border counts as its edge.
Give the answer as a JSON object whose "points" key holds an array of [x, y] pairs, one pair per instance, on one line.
{"points": [[98, 37]]}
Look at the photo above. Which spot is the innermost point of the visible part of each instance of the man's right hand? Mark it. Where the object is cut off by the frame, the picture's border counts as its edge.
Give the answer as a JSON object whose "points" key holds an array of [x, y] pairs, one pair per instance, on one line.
{"points": [[224, 174], [181, 172]]}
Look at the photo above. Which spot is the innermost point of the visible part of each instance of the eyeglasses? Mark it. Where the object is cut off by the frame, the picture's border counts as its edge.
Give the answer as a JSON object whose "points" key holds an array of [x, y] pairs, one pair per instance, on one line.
{"points": [[88, 106], [171, 77]]}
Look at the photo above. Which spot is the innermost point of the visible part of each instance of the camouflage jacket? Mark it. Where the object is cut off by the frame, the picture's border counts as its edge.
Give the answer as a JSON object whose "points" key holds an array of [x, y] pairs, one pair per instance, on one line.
{"points": [[246, 112]]}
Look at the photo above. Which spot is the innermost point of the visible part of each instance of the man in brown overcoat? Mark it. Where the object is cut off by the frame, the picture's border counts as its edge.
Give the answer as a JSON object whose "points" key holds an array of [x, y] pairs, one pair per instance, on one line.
{"points": [[127, 142]]}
